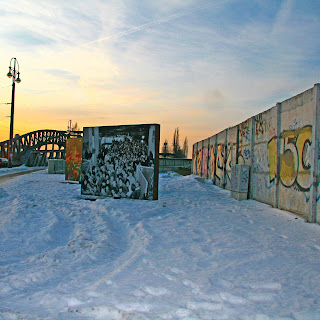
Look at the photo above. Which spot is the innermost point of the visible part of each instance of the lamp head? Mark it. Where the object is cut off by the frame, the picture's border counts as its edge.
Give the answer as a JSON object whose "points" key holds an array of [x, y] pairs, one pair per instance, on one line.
{"points": [[9, 74], [18, 80]]}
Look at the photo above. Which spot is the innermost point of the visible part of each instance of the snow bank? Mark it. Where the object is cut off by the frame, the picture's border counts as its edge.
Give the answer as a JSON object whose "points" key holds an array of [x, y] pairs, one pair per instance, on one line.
{"points": [[194, 254]]}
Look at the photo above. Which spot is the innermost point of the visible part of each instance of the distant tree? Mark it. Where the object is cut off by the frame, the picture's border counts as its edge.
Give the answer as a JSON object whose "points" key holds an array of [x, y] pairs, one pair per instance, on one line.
{"points": [[176, 149], [165, 148], [75, 127], [185, 147], [175, 141]]}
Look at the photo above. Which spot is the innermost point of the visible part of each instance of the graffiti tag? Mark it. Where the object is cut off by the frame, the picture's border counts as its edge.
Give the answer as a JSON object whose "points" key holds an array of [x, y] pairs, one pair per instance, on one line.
{"points": [[261, 125], [295, 158], [245, 131]]}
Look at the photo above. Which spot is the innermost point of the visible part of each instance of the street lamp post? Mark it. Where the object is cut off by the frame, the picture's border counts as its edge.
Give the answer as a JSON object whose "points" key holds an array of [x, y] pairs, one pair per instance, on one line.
{"points": [[13, 73]]}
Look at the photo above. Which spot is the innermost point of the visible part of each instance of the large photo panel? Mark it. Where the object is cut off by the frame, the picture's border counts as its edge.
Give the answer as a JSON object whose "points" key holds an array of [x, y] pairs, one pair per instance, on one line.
{"points": [[121, 161]]}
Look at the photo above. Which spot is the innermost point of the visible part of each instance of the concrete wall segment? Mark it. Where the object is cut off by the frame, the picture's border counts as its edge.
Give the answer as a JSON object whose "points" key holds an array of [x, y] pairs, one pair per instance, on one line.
{"points": [[220, 159], [265, 125], [282, 147], [212, 158], [314, 205], [204, 161], [231, 154], [245, 136], [296, 153]]}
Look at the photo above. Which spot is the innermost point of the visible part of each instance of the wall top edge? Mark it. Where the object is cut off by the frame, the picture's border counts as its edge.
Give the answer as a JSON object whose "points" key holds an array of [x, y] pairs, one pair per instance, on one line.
{"points": [[228, 128], [297, 95]]}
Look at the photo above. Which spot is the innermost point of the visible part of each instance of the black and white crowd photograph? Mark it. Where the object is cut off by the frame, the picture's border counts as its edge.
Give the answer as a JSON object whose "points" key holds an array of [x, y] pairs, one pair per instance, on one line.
{"points": [[119, 161]]}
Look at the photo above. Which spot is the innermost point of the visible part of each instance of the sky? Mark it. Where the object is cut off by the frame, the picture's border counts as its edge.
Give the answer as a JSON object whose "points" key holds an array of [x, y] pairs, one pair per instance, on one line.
{"points": [[198, 65]]}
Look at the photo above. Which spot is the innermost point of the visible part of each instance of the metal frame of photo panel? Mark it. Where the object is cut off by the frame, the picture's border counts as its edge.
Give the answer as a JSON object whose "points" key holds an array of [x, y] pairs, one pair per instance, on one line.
{"points": [[120, 161]]}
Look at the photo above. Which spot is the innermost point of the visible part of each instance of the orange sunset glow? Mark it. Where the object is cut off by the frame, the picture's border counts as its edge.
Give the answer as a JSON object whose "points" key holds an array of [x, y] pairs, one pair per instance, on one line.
{"points": [[187, 64]]}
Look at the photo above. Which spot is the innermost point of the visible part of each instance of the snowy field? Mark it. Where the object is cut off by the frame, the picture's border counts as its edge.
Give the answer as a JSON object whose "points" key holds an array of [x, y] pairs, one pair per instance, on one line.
{"points": [[10, 171], [193, 254]]}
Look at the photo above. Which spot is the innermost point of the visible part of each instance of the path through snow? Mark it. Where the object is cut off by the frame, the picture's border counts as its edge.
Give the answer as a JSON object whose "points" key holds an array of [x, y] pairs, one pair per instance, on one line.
{"points": [[193, 254]]}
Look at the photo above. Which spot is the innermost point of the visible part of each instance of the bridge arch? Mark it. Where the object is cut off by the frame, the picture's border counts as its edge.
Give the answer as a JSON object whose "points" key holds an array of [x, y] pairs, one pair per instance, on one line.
{"points": [[34, 148]]}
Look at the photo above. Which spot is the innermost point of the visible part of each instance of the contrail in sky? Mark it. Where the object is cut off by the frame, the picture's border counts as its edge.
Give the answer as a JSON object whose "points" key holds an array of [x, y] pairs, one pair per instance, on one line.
{"points": [[152, 23]]}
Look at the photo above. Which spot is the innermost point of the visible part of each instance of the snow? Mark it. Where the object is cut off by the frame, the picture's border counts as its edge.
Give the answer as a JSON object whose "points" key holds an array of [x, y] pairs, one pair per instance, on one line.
{"points": [[195, 254], [23, 168]]}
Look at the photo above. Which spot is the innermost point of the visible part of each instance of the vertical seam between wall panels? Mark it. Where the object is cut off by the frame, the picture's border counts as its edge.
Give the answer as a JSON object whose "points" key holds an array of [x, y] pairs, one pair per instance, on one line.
{"points": [[215, 159], [237, 145], [277, 180], [315, 138], [208, 158], [202, 142], [225, 159], [253, 125]]}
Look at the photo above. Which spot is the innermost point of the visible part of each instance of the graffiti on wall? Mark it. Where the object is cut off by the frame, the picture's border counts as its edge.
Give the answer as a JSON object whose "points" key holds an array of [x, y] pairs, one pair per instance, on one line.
{"points": [[199, 157], [295, 124], [204, 166], [260, 159], [280, 147], [212, 163], [295, 158], [228, 163], [220, 166], [194, 157], [244, 155], [245, 131], [219, 170], [263, 126], [272, 151], [244, 152]]}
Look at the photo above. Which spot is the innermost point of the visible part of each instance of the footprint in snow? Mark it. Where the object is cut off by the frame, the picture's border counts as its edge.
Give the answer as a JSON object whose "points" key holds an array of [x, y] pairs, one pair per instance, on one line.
{"points": [[180, 313], [199, 231], [199, 240], [264, 291], [204, 306], [260, 297], [315, 247], [133, 307], [176, 271], [139, 293], [153, 291], [264, 285], [168, 276], [233, 299], [206, 249], [221, 283], [195, 288]]}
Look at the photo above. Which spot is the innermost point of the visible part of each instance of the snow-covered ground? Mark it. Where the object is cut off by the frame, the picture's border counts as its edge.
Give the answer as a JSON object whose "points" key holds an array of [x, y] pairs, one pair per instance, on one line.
{"points": [[23, 168], [193, 254]]}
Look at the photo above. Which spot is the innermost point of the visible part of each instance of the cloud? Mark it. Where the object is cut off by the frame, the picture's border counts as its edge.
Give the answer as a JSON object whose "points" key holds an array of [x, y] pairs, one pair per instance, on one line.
{"points": [[283, 16], [215, 99], [27, 38], [63, 74], [169, 5], [199, 64], [155, 22]]}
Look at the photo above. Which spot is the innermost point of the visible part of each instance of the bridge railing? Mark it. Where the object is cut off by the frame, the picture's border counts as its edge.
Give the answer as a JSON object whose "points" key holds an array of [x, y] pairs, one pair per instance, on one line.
{"points": [[172, 164]]}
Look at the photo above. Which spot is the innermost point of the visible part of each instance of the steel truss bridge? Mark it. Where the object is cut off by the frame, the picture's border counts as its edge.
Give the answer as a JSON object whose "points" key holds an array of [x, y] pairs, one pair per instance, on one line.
{"points": [[36, 147]]}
